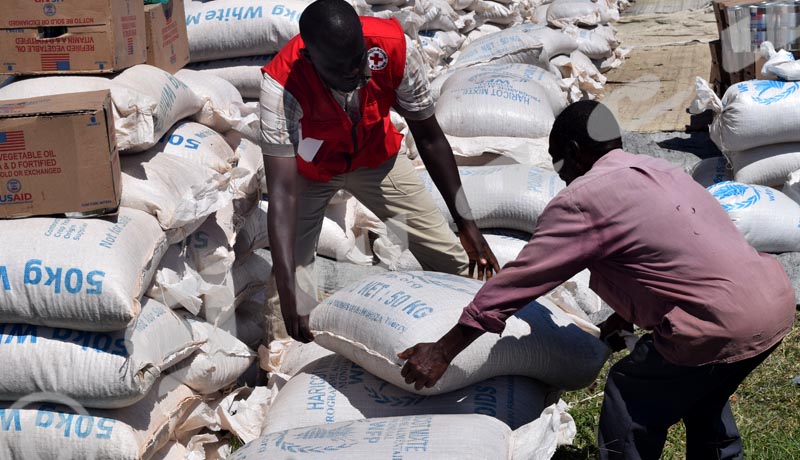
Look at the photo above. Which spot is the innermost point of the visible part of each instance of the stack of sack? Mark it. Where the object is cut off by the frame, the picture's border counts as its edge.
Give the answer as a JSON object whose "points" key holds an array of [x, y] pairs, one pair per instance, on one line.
{"points": [[119, 328], [758, 180], [349, 381]]}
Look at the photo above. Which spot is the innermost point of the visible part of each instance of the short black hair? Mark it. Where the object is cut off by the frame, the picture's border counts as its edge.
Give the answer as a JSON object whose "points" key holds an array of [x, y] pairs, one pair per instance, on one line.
{"points": [[332, 22], [590, 124]]}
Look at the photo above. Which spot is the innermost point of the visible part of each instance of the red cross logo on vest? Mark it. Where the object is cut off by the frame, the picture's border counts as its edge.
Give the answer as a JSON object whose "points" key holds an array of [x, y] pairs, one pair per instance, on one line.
{"points": [[377, 58]]}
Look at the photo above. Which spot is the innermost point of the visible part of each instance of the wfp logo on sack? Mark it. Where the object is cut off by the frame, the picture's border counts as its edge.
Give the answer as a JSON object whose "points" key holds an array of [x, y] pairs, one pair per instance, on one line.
{"points": [[734, 196], [768, 92], [317, 440]]}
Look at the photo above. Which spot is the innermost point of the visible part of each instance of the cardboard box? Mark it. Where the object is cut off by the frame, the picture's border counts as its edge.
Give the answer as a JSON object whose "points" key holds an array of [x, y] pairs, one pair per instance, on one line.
{"points": [[58, 154], [71, 36], [167, 39]]}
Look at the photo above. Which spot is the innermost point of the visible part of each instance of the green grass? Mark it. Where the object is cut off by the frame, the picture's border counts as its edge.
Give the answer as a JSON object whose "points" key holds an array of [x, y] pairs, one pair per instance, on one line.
{"points": [[766, 407]]}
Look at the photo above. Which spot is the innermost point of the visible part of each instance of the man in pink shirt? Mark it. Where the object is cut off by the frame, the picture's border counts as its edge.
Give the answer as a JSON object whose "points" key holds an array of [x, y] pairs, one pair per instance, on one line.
{"points": [[666, 257]]}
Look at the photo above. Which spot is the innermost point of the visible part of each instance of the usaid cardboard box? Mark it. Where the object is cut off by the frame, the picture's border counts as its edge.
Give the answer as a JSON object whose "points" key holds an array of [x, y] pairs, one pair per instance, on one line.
{"points": [[167, 39], [71, 36], [58, 155]]}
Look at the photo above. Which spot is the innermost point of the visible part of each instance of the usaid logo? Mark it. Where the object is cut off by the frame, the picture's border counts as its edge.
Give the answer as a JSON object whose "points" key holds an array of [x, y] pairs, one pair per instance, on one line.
{"points": [[49, 9], [14, 186]]}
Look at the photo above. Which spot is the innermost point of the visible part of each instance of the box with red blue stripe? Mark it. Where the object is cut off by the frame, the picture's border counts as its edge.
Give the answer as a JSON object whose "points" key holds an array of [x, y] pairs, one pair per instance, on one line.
{"points": [[71, 36], [58, 155]]}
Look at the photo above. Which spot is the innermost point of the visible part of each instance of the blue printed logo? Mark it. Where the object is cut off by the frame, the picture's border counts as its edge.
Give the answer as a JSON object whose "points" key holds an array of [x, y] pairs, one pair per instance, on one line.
{"points": [[49, 9], [772, 91], [734, 196], [14, 186]]}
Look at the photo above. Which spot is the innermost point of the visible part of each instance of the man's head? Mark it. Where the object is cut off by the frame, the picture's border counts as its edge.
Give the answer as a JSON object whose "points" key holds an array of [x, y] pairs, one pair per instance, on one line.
{"points": [[334, 43], [582, 133]]}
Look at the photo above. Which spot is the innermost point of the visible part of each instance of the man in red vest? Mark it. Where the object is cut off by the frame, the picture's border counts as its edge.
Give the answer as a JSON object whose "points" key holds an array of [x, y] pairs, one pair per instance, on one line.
{"points": [[326, 126]]}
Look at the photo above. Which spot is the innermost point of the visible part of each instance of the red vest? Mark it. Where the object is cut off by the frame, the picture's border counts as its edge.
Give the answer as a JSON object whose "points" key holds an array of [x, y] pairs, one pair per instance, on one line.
{"points": [[324, 119]]}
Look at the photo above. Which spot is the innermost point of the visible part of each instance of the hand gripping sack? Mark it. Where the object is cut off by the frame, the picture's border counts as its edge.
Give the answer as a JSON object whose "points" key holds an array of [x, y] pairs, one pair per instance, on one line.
{"points": [[532, 44], [334, 389], [369, 322], [44, 430], [105, 370], [175, 100], [768, 219], [223, 107], [424, 437], [235, 28], [751, 114], [85, 274], [509, 197], [484, 101]]}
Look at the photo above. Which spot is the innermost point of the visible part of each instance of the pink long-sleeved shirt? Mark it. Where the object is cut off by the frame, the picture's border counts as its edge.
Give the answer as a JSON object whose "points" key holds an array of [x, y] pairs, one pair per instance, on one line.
{"points": [[662, 253]]}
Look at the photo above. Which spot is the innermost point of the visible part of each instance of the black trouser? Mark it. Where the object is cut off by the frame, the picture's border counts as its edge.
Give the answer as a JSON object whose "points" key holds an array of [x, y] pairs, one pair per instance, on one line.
{"points": [[645, 395]]}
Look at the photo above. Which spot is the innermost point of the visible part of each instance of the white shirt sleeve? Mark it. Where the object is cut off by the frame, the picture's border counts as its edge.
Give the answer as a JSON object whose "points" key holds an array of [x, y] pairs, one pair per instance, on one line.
{"points": [[280, 119], [413, 94]]}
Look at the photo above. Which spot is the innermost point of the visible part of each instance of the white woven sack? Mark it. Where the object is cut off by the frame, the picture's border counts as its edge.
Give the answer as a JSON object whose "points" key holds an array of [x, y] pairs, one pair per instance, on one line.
{"points": [[43, 430], [751, 114], [248, 179], [768, 219], [200, 144], [244, 73], [223, 107], [334, 389], [106, 370], [594, 43], [218, 362], [504, 13], [562, 13], [371, 321], [524, 44], [510, 197], [196, 265], [435, 15], [779, 64], [711, 171], [85, 274], [429, 437], [767, 165], [792, 187], [241, 28], [133, 111], [485, 101], [175, 100], [177, 190]]}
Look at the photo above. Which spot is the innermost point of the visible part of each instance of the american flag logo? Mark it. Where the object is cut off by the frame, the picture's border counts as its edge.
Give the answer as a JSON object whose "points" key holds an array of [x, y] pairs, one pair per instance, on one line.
{"points": [[130, 46], [12, 141], [55, 61]]}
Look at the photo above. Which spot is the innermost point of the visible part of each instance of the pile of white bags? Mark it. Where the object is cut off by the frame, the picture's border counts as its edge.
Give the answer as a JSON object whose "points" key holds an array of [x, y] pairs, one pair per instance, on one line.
{"points": [[223, 108], [244, 73]]}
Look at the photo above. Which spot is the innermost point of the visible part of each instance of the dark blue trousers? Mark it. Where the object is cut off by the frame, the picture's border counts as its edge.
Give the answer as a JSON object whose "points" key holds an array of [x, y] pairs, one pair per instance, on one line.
{"points": [[645, 395]]}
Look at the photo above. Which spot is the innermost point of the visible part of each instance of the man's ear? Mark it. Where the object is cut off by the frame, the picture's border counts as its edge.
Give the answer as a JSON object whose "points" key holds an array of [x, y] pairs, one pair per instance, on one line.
{"points": [[573, 150]]}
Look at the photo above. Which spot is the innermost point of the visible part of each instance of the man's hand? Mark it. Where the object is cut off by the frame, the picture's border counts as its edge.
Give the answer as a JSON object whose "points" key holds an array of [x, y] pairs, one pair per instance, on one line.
{"points": [[298, 325], [609, 331], [425, 365], [478, 250]]}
